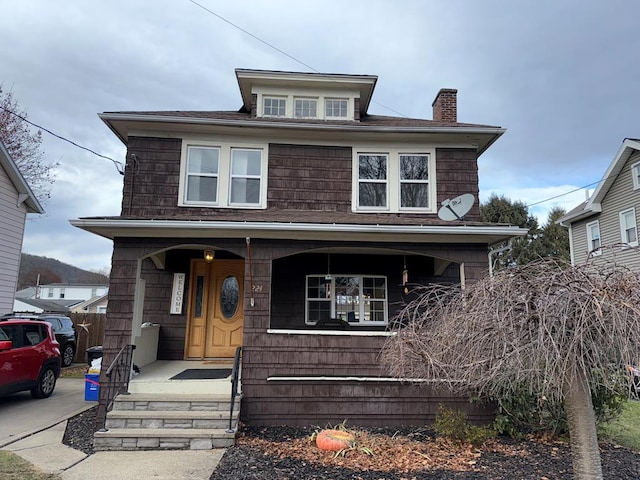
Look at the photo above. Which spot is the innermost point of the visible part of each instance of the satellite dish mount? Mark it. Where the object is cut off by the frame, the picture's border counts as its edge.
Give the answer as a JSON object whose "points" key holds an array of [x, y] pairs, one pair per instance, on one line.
{"points": [[457, 208]]}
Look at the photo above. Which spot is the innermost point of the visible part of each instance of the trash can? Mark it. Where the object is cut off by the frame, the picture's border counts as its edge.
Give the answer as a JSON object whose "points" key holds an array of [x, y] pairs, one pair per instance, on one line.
{"points": [[93, 353], [91, 387]]}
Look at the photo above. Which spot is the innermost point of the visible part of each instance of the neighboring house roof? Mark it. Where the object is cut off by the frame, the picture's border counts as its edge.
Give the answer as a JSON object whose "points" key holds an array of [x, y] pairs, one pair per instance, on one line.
{"points": [[28, 292], [25, 194], [51, 304], [92, 301], [594, 204]]}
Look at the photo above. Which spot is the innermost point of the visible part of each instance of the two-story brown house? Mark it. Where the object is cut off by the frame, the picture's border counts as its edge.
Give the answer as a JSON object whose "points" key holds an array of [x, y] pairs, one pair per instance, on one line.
{"points": [[315, 219]]}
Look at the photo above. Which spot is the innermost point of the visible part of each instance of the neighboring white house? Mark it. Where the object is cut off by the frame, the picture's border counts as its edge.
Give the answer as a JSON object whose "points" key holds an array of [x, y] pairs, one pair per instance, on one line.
{"points": [[62, 297], [16, 200], [610, 216]]}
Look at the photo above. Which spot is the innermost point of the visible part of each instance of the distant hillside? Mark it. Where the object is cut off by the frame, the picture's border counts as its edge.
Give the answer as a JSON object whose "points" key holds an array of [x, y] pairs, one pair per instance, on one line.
{"points": [[54, 271]]}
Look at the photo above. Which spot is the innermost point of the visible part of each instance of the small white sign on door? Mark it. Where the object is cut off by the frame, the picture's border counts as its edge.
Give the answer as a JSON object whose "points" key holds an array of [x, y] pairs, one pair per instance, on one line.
{"points": [[177, 294]]}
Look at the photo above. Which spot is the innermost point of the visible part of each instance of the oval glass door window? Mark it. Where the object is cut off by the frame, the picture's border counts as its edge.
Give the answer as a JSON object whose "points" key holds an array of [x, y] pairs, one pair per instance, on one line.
{"points": [[229, 296]]}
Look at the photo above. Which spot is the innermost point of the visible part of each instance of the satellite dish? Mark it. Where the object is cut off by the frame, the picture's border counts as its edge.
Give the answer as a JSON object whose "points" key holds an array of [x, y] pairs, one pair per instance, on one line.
{"points": [[456, 208]]}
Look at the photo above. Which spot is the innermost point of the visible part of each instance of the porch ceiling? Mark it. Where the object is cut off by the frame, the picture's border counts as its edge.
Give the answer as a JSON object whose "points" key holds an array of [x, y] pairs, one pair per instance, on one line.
{"points": [[113, 228]]}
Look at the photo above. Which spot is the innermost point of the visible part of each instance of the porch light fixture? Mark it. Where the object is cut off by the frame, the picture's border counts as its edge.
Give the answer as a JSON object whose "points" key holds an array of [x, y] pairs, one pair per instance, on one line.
{"points": [[208, 256]]}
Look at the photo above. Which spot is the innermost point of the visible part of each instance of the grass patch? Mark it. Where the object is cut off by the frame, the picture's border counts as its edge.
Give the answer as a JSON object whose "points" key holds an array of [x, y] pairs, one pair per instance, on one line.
{"points": [[73, 372], [624, 430], [13, 467]]}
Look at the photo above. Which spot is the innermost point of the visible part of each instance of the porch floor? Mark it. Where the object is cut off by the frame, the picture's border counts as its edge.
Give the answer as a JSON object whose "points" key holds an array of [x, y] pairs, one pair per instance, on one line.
{"points": [[155, 378]]}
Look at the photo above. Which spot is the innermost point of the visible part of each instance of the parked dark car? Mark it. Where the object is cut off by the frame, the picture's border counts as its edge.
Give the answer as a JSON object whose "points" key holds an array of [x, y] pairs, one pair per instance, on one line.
{"points": [[63, 329], [29, 357]]}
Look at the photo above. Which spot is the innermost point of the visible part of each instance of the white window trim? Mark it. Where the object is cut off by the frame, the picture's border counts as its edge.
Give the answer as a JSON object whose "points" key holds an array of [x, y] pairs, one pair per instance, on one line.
{"points": [[310, 94], [224, 173], [358, 181], [332, 297], [635, 171], [274, 97], [303, 99], [623, 227], [593, 252], [336, 117], [393, 179]]}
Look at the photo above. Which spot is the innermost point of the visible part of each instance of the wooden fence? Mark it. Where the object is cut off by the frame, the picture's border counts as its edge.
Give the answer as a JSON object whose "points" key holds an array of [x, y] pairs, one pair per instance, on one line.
{"points": [[90, 328]]}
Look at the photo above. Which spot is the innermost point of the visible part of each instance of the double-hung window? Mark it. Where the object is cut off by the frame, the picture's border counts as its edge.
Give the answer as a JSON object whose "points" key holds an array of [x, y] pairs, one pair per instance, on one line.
{"points": [[373, 181], [246, 175], [628, 228], [357, 299], [635, 175], [274, 107], [305, 108], [593, 238], [203, 165], [335, 107], [223, 175], [414, 181]]}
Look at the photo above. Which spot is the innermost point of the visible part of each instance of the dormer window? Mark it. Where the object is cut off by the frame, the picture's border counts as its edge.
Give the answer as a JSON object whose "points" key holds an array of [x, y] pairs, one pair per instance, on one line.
{"points": [[335, 107], [275, 107], [306, 108]]}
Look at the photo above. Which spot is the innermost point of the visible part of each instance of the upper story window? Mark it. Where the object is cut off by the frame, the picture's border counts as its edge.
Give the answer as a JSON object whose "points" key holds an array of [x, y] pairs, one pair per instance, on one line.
{"points": [[357, 299], [305, 108], [628, 228], [62, 293], [224, 175], [336, 107], [593, 238], [394, 181], [635, 175], [274, 107]]}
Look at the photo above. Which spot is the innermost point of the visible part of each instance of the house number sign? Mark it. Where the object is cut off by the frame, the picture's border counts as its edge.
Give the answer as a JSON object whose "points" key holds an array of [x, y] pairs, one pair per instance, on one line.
{"points": [[177, 294]]}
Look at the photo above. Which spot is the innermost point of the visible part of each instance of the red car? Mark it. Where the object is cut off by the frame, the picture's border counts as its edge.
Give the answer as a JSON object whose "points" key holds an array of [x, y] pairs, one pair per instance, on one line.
{"points": [[29, 358]]}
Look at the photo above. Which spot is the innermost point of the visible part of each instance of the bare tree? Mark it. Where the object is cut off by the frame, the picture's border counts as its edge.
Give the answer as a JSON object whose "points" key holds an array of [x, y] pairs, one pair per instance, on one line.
{"points": [[25, 146], [560, 329]]}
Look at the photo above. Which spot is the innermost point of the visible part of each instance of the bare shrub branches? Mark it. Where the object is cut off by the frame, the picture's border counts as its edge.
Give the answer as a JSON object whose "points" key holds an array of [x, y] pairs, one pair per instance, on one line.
{"points": [[537, 323]]}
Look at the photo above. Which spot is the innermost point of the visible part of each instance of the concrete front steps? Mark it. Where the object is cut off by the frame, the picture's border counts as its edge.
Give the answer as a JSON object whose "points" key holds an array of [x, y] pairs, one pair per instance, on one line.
{"points": [[152, 421]]}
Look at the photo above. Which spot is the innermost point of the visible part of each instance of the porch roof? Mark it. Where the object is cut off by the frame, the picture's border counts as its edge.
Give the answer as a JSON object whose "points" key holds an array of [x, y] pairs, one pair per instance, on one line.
{"points": [[112, 228]]}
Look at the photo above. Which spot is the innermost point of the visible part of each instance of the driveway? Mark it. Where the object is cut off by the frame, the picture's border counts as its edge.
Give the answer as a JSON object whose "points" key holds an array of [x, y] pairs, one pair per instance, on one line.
{"points": [[21, 415]]}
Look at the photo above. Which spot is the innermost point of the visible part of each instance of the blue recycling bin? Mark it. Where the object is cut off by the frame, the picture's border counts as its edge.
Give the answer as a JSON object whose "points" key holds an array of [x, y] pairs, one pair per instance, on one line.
{"points": [[91, 387]]}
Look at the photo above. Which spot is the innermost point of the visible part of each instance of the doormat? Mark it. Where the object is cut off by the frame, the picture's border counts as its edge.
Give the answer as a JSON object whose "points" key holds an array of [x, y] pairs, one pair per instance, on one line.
{"points": [[202, 374]]}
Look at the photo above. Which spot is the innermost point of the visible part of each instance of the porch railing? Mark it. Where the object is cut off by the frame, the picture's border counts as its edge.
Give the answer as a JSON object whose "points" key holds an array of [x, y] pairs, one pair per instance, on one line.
{"points": [[235, 373], [118, 375]]}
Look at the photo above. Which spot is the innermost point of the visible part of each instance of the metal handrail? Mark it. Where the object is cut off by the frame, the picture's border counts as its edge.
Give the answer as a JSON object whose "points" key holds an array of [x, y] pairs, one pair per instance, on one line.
{"points": [[118, 375], [234, 387]]}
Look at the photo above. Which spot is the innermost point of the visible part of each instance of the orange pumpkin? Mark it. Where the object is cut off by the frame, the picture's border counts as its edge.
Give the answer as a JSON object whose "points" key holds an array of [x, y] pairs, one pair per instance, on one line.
{"points": [[334, 440]]}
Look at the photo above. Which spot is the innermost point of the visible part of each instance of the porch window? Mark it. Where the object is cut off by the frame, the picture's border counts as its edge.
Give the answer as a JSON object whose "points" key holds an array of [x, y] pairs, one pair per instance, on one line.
{"points": [[357, 299]]}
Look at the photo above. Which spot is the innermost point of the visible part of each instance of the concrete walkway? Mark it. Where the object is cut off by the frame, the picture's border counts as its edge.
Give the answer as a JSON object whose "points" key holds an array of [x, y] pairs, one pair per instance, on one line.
{"points": [[39, 441]]}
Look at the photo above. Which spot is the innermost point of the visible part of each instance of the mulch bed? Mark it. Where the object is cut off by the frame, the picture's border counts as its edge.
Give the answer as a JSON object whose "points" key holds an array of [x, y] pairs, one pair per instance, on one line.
{"points": [[287, 453]]}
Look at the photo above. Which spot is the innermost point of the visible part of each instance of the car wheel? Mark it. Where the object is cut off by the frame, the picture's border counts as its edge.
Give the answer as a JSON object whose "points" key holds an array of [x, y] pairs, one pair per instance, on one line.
{"points": [[46, 383], [67, 355]]}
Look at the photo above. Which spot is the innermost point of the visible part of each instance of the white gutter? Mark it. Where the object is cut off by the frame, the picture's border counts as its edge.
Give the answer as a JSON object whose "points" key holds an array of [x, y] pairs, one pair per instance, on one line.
{"points": [[193, 228]]}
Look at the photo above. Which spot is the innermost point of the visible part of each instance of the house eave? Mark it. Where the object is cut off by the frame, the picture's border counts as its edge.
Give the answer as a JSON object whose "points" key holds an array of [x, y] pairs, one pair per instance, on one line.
{"points": [[121, 123], [588, 211], [113, 228]]}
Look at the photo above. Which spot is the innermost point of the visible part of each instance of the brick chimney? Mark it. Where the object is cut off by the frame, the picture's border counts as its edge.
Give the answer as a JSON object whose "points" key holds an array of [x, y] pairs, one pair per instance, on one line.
{"points": [[445, 106]]}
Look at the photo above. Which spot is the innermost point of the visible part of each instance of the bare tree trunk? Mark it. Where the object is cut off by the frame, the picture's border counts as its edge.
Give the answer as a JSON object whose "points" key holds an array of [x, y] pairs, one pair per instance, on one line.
{"points": [[582, 428]]}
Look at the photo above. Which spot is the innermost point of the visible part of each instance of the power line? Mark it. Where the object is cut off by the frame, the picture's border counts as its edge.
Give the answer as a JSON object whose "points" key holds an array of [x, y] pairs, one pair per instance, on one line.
{"points": [[280, 50], [563, 194], [119, 166]]}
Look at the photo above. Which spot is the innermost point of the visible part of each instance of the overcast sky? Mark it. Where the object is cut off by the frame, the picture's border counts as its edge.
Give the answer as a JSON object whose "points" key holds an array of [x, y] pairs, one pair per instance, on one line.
{"points": [[561, 76]]}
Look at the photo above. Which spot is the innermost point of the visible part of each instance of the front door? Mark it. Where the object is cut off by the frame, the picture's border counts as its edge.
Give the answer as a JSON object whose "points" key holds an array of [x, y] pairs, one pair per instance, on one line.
{"points": [[215, 313]]}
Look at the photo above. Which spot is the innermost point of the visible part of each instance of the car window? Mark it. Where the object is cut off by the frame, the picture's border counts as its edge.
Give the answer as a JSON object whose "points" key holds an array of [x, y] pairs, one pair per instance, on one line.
{"points": [[55, 323], [9, 332], [32, 334]]}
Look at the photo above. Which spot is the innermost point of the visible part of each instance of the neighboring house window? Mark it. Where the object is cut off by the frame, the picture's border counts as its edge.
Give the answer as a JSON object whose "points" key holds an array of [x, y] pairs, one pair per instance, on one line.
{"points": [[593, 238], [414, 181], [224, 175], [358, 299], [305, 108], [394, 181], [62, 293], [335, 107], [101, 309], [635, 174], [628, 229], [50, 292], [372, 180], [246, 177], [274, 107], [202, 174]]}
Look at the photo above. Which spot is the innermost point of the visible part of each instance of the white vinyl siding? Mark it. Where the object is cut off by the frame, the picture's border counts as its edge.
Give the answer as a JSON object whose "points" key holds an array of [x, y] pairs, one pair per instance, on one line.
{"points": [[12, 218]]}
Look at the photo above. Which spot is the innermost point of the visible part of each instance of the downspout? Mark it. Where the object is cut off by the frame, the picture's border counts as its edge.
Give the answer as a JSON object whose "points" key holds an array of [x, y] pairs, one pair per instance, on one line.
{"points": [[493, 251]]}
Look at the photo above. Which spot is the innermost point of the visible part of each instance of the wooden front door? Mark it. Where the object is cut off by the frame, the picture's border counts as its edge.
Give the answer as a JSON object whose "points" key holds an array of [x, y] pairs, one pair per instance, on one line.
{"points": [[215, 313]]}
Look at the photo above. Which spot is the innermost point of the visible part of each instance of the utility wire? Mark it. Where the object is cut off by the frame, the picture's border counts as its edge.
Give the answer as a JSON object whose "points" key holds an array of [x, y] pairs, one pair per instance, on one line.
{"points": [[563, 194], [116, 163], [280, 50]]}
